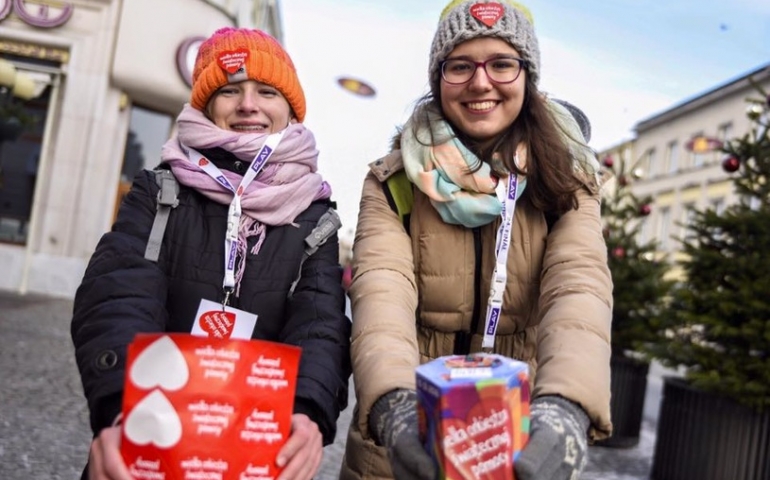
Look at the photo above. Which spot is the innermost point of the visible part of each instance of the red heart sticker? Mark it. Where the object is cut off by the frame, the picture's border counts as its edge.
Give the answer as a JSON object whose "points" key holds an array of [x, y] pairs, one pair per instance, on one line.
{"points": [[487, 13], [203, 162], [217, 324], [232, 61]]}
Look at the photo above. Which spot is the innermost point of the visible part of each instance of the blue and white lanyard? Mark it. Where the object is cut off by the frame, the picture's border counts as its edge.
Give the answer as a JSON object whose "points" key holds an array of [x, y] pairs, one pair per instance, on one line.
{"points": [[234, 212], [507, 196]]}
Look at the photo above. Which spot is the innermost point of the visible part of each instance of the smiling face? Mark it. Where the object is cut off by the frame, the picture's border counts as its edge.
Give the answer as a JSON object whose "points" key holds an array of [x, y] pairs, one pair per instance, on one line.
{"points": [[481, 108], [249, 107]]}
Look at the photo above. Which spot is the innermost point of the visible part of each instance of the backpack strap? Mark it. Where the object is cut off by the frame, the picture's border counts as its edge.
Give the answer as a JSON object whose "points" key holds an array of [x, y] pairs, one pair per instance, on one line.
{"points": [[327, 226], [398, 190], [167, 199], [400, 195]]}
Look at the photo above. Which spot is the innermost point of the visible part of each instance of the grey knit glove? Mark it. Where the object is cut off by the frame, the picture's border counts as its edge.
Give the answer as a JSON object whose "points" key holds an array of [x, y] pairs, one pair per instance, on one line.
{"points": [[557, 447], [393, 423]]}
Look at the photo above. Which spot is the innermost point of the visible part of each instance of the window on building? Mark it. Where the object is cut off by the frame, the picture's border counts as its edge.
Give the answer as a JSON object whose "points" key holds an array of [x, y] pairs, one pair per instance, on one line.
{"points": [[643, 237], [22, 123], [725, 132], [673, 156], [664, 222], [651, 162], [148, 130], [687, 216], [625, 155], [718, 205], [698, 158]]}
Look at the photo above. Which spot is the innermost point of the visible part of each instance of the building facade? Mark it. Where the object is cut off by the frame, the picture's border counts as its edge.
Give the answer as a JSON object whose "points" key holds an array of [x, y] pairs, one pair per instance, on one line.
{"points": [[675, 159], [104, 81]]}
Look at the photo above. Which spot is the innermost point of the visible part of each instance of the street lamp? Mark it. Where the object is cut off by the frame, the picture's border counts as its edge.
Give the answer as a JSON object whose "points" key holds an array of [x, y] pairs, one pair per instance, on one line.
{"points": [[703, 144]]}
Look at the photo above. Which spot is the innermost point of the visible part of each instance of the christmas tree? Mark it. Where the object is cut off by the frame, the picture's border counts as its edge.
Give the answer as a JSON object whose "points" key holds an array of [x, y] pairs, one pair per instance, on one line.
{"points": [[718, 322], [637, 272]]}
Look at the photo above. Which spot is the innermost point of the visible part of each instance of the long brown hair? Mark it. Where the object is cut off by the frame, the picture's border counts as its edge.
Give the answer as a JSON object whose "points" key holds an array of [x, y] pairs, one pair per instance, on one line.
{"points": [[551, 180]]}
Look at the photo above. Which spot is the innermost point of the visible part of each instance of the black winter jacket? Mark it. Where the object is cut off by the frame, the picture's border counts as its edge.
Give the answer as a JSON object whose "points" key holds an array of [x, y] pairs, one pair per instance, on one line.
{"points": [[123, 294]]}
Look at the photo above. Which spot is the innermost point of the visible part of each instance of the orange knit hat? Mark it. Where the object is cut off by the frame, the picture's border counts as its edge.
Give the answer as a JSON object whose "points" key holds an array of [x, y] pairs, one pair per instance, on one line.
{"points": [[236, 54]]}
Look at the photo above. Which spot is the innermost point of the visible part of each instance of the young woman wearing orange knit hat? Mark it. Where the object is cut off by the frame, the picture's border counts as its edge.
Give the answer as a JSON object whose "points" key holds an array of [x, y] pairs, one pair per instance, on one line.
{"points": [[242, 131], [503, 253]]}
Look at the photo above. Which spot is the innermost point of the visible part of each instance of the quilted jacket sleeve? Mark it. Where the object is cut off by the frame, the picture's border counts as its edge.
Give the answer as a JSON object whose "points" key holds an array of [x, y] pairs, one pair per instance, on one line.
{"points": [[576, 305], [316, 322], [384, 348], [121, 294]]}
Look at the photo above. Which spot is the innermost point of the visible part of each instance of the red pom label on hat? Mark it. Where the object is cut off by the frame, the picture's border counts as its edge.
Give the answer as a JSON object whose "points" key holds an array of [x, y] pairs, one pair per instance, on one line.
{"points": [[232, 61], [487, 13]]}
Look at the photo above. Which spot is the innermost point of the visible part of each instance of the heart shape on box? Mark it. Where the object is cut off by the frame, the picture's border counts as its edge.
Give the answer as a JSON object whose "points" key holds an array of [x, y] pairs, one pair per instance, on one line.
{"points": [[231, 61], [481, 445], [162, 365], [487, 13], [153, 420], [217, 324]]}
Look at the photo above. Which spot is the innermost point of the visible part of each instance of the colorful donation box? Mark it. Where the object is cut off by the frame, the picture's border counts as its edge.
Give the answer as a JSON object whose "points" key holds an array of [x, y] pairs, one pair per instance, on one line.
{"points": [[474, 414], [206, 408]]}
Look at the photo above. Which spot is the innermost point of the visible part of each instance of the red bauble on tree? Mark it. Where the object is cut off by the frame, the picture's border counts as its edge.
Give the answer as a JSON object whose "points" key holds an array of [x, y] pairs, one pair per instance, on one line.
{"points": [[731, 164], [618, 252], [645, 210]]}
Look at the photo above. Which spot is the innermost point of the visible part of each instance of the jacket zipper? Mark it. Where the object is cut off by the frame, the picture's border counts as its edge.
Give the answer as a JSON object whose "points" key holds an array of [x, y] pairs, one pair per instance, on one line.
{"points": [[463, 339]]}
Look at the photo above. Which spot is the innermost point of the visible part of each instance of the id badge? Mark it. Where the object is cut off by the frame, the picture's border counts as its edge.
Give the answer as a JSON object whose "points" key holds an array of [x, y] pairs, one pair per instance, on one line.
{"points": [[212, 321]]}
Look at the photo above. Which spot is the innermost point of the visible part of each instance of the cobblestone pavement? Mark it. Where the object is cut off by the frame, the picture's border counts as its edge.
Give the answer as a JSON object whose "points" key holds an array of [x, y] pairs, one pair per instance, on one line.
{"points": [[44, 430]]}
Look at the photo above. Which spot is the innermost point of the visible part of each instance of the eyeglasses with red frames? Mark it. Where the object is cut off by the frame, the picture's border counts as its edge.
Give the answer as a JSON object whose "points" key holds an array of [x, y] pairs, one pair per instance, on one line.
{"points": [[459, 71]]}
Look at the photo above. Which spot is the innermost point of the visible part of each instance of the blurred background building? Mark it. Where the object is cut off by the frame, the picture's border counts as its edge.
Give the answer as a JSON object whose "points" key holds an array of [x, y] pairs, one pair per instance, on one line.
{"points": [[674, 156], [89, 90]]}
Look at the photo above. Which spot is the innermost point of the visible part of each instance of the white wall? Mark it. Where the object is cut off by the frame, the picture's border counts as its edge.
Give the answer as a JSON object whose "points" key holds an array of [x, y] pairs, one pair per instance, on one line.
{"points": [[148, 37]]}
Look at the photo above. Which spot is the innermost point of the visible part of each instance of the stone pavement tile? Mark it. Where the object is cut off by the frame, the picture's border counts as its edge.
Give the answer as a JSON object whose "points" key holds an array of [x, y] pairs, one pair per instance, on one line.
{"points": [[330, 466], [44, 431], [623, 463]]}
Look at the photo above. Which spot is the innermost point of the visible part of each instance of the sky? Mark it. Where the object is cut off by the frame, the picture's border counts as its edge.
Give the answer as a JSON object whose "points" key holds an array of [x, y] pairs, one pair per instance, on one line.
{"points": [[620, 61]]}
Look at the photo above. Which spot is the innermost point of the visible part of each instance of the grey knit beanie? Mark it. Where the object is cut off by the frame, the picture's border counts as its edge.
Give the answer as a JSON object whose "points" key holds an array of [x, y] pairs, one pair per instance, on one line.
{"points": [[464, 20]]}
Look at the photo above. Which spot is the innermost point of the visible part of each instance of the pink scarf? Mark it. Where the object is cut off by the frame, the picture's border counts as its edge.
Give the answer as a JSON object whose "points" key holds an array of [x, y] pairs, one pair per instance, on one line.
{"points": [[287, 185]]}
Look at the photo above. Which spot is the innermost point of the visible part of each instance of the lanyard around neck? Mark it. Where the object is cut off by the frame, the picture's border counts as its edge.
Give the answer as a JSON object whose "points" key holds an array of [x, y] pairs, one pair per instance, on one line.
{"points": [[234, 212], [506, 192]]}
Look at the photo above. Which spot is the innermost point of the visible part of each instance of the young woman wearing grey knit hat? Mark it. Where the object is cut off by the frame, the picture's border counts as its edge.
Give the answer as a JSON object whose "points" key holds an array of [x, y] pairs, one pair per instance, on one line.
{"points": [[484, 149]]}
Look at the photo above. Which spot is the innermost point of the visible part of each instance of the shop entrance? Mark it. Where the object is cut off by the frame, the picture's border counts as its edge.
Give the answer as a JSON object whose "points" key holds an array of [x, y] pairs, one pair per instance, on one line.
{"points": [[24, 98]]}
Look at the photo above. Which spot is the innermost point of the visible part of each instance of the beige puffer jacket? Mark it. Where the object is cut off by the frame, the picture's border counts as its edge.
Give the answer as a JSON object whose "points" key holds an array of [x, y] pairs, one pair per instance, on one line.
{"points": [[556, 313]]}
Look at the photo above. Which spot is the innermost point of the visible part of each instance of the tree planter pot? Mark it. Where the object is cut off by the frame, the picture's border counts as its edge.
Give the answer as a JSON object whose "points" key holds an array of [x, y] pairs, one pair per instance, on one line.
{"points": [[705, 436], [629, 384]]}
